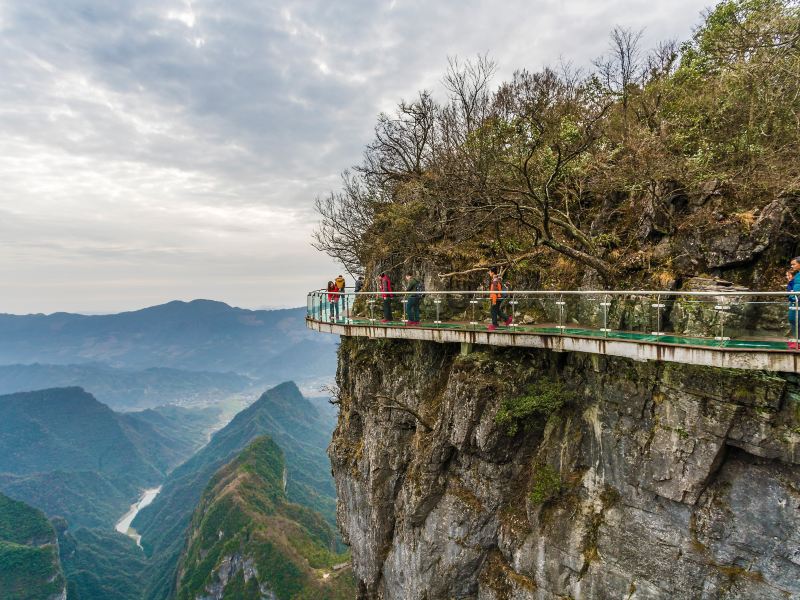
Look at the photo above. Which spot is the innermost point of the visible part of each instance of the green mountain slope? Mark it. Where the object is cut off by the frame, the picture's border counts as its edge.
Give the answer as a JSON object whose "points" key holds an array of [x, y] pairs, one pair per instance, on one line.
{"points": [[69, 455], [247, 540], [292, 421], [29, 564], [100, 564]]}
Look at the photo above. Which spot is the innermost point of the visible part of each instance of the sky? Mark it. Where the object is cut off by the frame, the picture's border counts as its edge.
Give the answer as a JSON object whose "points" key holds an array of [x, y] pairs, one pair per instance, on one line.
{"points": [[153, 150]]}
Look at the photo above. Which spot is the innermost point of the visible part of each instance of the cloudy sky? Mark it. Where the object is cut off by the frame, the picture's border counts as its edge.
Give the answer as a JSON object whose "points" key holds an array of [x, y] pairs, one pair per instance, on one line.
{"points": [[153, 150]]}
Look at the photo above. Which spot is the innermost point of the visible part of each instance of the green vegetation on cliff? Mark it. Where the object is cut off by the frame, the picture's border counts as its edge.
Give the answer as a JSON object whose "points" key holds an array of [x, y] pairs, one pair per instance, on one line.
{"points": [[29, 565], [652, 168], [247, 540]]}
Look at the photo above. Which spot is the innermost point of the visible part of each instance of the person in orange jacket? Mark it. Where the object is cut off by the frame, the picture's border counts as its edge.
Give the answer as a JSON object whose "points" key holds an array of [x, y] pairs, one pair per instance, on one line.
{"points": [[341, 298], [496, 299]]}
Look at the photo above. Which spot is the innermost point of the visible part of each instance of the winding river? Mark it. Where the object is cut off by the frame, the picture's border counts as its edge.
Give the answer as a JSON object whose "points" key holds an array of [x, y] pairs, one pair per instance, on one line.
{"points": [[124, 524]]}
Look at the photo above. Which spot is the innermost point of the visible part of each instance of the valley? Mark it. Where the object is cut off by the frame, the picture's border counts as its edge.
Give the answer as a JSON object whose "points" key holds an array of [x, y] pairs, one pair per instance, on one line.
{"points": [[120, 473]]}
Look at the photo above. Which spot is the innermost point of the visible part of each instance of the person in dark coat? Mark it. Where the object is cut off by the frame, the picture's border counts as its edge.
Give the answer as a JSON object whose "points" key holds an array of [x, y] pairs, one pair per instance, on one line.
{"points": [[412, 300]]}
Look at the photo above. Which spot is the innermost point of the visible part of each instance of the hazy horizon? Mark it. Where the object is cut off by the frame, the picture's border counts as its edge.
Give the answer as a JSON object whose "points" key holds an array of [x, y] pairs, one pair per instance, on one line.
{"points": [[91, 313]]}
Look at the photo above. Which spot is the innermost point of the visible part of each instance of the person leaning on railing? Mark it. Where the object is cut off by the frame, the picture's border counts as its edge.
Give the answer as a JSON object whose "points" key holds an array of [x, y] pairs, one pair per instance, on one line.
{"points": [[793, 285]]}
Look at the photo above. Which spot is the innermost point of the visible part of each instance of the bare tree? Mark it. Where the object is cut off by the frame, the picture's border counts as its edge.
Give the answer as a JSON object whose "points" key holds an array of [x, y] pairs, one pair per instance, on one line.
{"points": [[403, 145], [346, 217], [620, 69]]}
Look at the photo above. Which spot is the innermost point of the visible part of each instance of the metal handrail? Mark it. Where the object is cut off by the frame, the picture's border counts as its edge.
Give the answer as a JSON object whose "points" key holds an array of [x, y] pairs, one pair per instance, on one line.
{"points": [[572, 293]]}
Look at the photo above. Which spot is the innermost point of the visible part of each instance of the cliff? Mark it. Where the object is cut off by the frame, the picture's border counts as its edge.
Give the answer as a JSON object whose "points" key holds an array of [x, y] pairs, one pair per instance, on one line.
{"points": [[246, 540], [523, 473]]}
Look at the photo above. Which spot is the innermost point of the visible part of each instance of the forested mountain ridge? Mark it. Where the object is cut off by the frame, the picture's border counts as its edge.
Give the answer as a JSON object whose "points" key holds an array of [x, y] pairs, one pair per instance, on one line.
{"points": [[201, 335], [246, 540], [282, 413], [648, 170], [71, 456], [29, 564]]}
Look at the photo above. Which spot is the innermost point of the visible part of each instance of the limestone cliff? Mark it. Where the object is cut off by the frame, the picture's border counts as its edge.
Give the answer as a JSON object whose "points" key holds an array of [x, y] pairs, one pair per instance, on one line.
{"points": [[523, 473]]}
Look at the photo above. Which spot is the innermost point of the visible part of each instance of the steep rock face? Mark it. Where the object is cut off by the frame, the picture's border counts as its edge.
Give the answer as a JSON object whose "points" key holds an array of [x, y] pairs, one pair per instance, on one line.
{"points": [[521, 473]]}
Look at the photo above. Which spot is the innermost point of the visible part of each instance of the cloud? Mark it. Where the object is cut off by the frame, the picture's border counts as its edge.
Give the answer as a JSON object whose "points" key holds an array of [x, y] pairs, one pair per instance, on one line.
{"points": [[181, 142]]}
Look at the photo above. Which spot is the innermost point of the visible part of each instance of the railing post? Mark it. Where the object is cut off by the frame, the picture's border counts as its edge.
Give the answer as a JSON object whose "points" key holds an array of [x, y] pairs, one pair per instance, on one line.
{"points": [[371, 303], [404, 303], [513, 303], [438, 302], [721, 314], [560, 303], [473, 302], [605, 304], [658, 306]]}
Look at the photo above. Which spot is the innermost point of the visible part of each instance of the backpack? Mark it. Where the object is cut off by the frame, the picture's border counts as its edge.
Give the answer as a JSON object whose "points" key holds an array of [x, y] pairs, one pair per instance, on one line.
{"points": [[505, 291], [419, 288]]}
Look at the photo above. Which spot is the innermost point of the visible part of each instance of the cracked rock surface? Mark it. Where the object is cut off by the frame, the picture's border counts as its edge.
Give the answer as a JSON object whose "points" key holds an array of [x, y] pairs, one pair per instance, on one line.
{"points": [[642, 480]]}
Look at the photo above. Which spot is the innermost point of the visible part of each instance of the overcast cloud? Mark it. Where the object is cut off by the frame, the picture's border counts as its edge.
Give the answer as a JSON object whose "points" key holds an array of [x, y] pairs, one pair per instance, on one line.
{"points": [[154, 150]]}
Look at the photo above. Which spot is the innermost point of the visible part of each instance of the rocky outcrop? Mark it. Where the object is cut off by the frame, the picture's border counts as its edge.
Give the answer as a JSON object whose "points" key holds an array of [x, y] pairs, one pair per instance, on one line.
{"points": [[522, 473]]}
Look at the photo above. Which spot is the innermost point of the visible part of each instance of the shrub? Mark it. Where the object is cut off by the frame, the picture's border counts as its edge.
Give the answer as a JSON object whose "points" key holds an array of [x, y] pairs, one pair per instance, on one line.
{"points": [[542, 398], [546, 484]]}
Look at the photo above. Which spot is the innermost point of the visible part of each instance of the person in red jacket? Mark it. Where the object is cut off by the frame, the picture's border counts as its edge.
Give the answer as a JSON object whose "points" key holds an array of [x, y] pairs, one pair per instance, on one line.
{"points": [[385, 287], [333, 300], [496, 299]]}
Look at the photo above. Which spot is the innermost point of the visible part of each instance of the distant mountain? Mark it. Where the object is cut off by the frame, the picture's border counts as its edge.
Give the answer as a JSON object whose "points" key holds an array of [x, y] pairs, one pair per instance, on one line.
{"points": [[247, 541], [283, 413], [126, 389], [68, 454], [29, 563], [202, 335]]}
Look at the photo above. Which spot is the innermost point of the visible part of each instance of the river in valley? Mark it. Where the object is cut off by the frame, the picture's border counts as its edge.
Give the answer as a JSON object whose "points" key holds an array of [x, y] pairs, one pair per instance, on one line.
{"points": [[124, 524]]}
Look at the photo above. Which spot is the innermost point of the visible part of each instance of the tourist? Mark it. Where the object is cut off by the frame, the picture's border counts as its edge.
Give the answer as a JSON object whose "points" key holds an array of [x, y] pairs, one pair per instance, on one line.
{"points": [[496, 299], [385, 287], [339, 281], [412, 300], [359, 284], [333, 301], [793, 285]]}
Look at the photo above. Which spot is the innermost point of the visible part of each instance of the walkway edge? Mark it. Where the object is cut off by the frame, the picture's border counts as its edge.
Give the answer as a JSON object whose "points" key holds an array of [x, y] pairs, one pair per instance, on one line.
{"points": [[728, 358]]}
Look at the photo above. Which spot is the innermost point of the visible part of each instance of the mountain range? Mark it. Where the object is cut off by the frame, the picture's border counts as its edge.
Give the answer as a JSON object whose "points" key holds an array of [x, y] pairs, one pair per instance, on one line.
{"points": [[127, 389], [69, 455], [282, 413], [202, 335]]}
